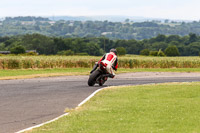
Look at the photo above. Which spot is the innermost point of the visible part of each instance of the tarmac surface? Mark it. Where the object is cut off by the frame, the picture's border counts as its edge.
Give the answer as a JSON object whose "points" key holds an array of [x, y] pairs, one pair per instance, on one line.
{"points": [[29, 102]]}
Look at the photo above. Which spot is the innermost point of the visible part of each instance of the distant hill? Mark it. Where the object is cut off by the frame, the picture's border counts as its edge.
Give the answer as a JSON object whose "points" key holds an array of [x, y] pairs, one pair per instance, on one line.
{"points": [[102, 18], [123, 28], [110, 18], [27, 18]]}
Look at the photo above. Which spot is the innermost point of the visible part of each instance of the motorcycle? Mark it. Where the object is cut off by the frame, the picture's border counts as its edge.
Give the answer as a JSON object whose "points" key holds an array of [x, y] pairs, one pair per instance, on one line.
{"points": [[99, 76]]}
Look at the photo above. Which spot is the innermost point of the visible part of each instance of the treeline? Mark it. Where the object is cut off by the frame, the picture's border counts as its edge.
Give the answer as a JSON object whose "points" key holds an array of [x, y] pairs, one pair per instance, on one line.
{"points": [[28, 18], [186, 46], [112, 30]]}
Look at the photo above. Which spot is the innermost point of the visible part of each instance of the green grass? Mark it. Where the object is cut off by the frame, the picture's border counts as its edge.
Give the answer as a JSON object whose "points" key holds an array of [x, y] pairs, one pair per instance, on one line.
{"points": [[123, 70], [32, 73], [162, 108]]}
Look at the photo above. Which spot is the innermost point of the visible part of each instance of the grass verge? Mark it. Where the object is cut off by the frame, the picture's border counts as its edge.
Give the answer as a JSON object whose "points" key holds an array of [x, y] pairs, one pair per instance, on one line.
{"points": [[33, 73], [123, 70], [169, 107]]}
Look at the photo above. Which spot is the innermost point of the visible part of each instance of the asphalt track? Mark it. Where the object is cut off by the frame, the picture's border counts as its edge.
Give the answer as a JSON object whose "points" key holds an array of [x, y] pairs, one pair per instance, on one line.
{"points": [[25, 103]]}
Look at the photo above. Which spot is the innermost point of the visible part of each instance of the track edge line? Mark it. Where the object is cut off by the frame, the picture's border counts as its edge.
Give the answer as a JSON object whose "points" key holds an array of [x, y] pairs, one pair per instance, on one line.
{"points": [[80, 104]]}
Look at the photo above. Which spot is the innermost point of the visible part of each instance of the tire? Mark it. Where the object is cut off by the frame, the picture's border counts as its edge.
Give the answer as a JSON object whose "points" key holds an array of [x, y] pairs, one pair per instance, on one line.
{"points": [[93, 77]]}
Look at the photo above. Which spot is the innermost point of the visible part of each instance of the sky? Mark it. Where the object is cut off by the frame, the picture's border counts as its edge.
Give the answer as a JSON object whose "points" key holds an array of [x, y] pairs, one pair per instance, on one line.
{"points": [[167, 9]]}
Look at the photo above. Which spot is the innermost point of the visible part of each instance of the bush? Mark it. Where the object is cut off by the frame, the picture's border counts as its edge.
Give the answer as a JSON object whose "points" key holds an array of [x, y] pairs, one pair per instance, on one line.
{"points": [[66, 52], [121, 50], [145, 52], [82, 54], [153, 53], [160, 53], [172, 51], [19, 49], [32, 53]]}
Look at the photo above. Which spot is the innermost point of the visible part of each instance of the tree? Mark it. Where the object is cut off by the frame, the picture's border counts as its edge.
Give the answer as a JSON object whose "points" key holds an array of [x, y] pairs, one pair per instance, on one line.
{"points": [[121, 50], [2, 46], [159, 45], [93, 49], [160, 38], [127, 20], [153, 53], [166, 20], [176, 43], [193, 37], [133, 46], [172, 51], [194, 49], [19, 49], [60, 44], [173, 38], [43, 44], [145, 52]]}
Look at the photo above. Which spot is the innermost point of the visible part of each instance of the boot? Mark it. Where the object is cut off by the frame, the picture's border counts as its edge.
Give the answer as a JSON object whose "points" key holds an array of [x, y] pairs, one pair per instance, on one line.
{"points": [[111, 75]]}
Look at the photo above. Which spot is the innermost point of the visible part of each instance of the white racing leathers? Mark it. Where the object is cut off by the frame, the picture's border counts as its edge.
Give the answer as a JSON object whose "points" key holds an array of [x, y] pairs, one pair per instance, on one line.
{"points": [[109, 60]]}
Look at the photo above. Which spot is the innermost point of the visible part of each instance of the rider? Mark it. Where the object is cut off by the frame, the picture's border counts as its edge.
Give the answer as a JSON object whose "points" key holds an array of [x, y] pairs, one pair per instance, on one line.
{"points": [[110, 61]]}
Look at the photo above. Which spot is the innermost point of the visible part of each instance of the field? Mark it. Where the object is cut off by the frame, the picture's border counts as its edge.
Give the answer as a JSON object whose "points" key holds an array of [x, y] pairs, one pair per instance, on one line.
{"points": [[169, 107], [129, 61], [17, 67]]}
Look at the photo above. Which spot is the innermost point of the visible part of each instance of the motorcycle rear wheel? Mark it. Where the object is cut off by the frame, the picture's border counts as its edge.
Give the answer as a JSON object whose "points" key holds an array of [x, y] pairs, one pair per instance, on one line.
{"points": [[93, 77]]}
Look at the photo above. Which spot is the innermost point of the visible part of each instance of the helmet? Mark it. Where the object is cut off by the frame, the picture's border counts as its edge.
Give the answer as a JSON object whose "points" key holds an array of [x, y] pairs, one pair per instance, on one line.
{"points": [[114, 51]]}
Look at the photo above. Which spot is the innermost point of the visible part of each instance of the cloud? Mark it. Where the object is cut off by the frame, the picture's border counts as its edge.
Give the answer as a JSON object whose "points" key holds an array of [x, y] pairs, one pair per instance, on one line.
{"points": [[181, 9]]}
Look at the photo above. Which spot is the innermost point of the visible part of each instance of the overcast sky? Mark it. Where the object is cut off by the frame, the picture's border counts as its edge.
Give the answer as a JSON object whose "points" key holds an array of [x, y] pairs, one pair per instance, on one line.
{"points": [[169, 9]]}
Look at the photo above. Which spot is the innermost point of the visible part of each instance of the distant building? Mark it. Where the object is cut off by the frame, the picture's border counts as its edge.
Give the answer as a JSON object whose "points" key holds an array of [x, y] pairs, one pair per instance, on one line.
{"points": [[4, 52], [28, 22], [8, 52], [71, 24], [51, 22], [106, 33]]}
